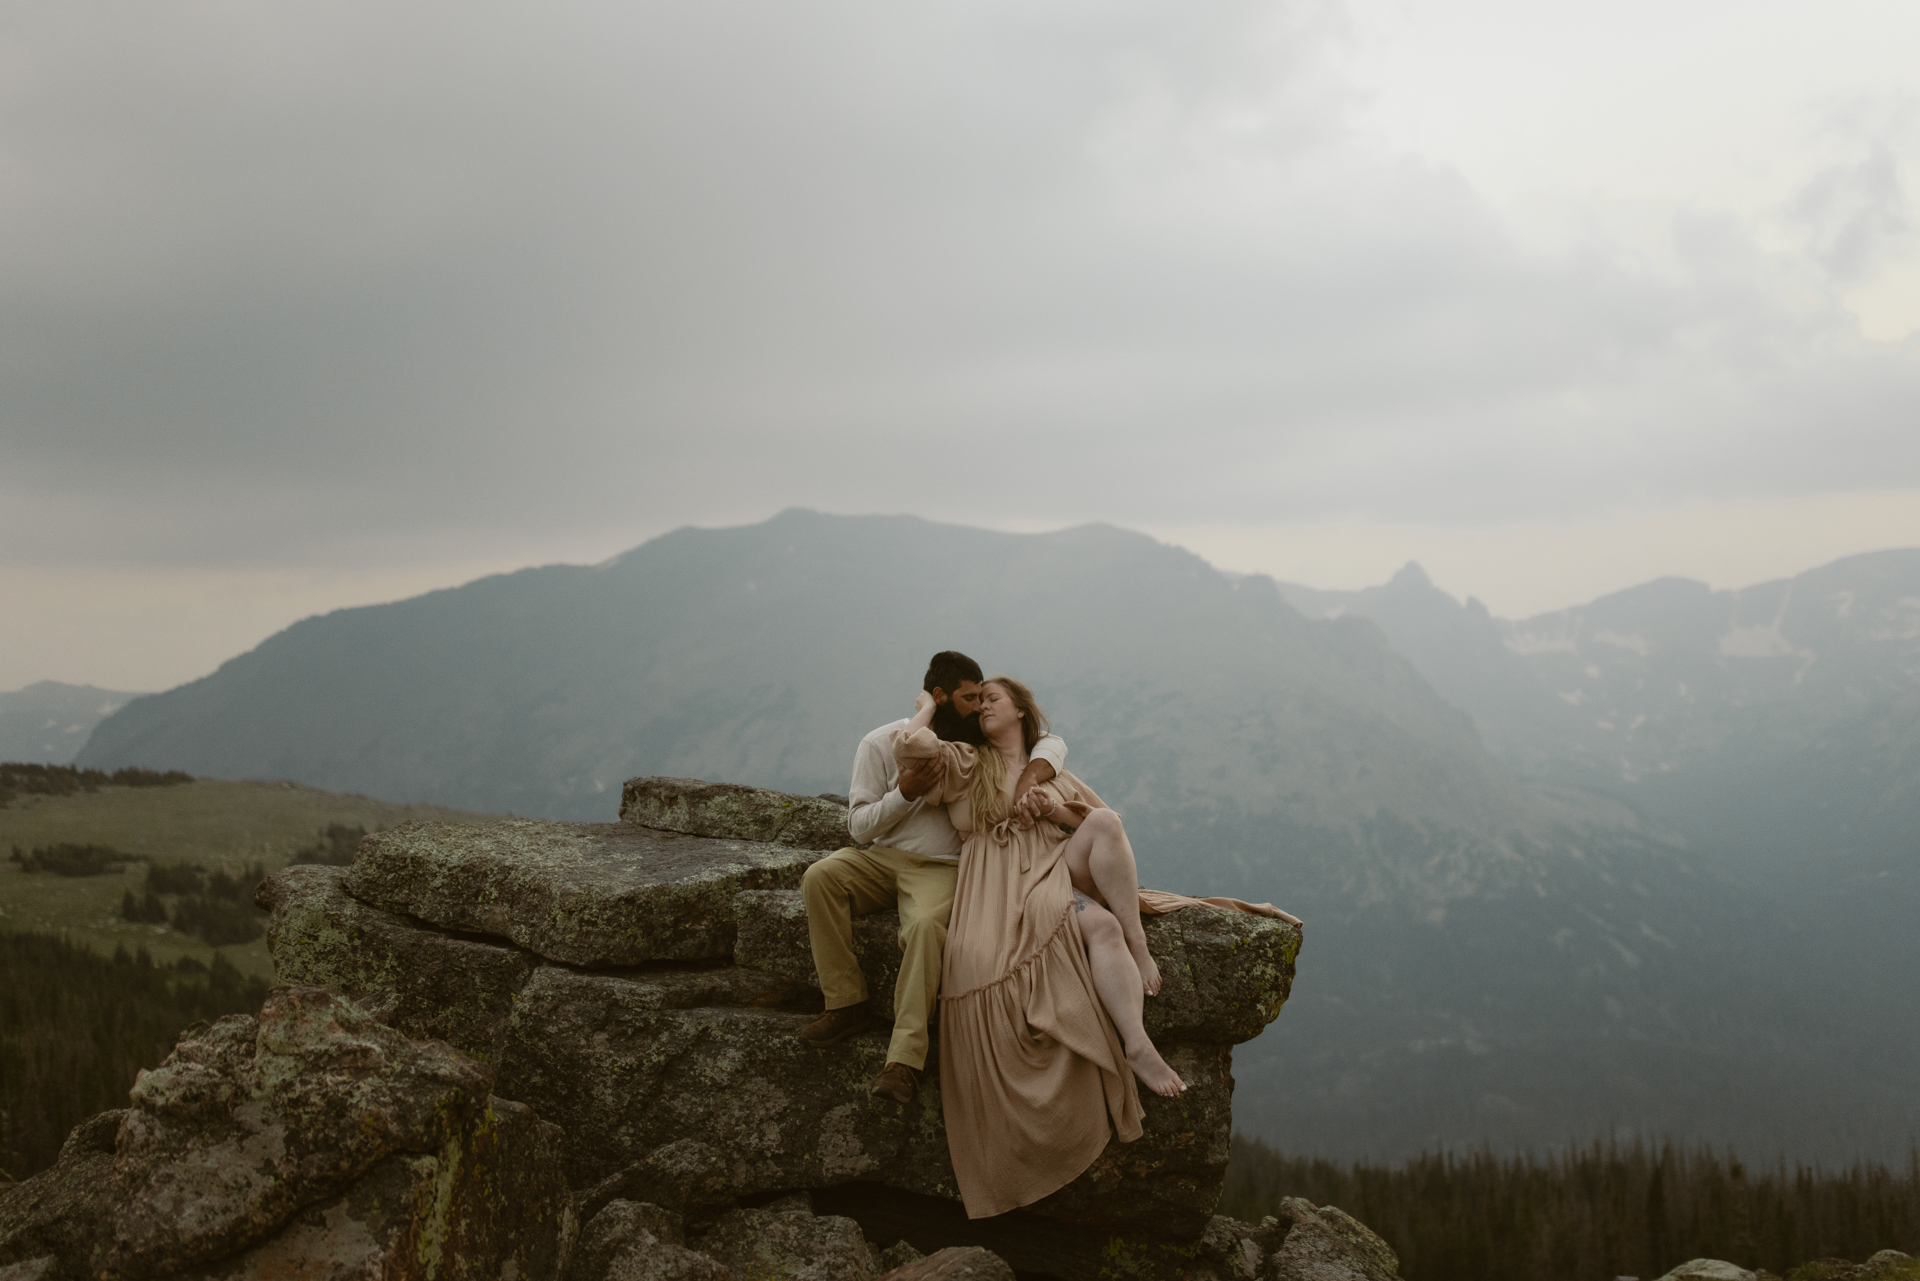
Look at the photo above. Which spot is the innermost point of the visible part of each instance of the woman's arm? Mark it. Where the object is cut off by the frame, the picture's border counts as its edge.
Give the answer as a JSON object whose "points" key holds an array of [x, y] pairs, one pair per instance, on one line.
{"points": [[914, 747], [1043, 805]]}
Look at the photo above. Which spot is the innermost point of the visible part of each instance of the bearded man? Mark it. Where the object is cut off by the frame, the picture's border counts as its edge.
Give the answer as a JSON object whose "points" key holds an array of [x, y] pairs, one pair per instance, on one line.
{"points": [[905, 855]]}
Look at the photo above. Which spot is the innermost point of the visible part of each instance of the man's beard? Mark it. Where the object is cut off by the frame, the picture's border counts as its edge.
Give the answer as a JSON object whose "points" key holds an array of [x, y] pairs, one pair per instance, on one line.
{"points": [[951, 727]]}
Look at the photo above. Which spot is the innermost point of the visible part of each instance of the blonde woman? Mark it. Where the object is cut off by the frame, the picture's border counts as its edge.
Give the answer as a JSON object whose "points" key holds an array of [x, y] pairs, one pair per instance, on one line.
{"points": [[1046, 967]]}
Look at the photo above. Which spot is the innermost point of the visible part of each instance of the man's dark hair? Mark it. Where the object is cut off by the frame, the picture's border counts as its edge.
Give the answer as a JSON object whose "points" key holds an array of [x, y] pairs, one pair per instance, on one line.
{"points": [[948, 668], [946, 672]]}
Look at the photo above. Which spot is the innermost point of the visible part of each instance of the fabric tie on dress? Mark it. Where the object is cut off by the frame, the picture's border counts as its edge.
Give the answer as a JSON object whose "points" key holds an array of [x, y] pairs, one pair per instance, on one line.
{"points": [[1004, 831]]}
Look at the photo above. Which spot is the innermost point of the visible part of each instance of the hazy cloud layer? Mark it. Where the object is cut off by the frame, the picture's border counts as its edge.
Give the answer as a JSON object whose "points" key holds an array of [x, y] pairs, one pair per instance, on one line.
{"points": [[317, 283]]}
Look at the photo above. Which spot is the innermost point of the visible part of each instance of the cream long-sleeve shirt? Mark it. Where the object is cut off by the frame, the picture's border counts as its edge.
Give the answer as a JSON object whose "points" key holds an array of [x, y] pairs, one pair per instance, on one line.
{"points": [[880, 815]]}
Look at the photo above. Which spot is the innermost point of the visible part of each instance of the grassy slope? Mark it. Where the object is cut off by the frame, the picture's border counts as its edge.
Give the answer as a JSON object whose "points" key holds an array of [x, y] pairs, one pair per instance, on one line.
{"points": [[208, 821]]}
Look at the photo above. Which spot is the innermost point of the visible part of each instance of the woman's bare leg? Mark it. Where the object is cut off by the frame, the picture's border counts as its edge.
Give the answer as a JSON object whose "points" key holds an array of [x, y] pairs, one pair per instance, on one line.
{"points": [[1100, 859], [1117, 979]]}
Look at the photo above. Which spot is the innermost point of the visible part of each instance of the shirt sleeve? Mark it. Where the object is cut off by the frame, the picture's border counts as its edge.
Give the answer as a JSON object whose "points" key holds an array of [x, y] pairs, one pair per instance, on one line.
{"points": [[1053, 750], [876, 804]]}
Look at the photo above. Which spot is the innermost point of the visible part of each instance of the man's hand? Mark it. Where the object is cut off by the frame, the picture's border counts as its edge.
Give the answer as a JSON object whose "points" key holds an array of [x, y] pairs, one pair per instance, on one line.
{"points": [[916, 781]]}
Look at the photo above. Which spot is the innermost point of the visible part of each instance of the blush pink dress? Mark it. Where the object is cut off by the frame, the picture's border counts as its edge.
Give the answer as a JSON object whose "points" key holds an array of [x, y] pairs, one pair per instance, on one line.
{"points": [[1033, 1075]]}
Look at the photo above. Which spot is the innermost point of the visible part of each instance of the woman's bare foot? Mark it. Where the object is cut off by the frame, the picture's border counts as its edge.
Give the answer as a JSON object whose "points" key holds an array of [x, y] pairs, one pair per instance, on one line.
{"points": [[1153, 1071], [1149, 972]]}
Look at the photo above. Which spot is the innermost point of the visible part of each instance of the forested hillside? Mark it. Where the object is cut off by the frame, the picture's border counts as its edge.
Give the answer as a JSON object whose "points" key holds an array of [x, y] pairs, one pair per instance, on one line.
{"points": [[76, 1027], [1601, 1210]]}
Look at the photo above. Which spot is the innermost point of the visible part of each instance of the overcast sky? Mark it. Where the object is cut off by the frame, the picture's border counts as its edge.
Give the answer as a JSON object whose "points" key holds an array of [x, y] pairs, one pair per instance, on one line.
{"points": [[307, 305]]}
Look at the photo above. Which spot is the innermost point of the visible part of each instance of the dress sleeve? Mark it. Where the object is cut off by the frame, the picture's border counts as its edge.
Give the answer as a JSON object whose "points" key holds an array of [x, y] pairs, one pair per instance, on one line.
{"points": [[923, 744]]}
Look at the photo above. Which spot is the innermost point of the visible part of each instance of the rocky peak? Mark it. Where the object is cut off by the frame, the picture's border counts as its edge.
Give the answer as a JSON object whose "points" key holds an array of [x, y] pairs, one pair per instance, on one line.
{"points": [[1410, 577]]}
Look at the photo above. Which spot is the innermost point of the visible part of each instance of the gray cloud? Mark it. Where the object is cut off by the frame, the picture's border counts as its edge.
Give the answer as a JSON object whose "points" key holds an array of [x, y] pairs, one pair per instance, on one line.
{"points": [[1855, 214], [312, 281]]}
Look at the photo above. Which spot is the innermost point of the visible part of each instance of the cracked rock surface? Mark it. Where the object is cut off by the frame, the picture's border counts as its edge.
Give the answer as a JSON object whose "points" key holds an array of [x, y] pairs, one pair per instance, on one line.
{"points": [[640, 983], [735, 812], [593, 894], [311, 1132]]}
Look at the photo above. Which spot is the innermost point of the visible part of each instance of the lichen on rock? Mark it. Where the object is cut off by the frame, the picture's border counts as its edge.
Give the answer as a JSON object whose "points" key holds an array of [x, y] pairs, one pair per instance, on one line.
{"points": [[310, 1134], [792, 1245], [425, 983], [955, 1263], [635, 1241], [734, 811], [1328, 1244], [592, 894], [1708, 1270], [640, 984]]}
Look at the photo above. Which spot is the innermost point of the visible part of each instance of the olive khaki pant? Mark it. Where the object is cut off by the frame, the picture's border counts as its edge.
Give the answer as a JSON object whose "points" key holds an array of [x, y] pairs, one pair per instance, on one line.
{"points": [[854, 882]]}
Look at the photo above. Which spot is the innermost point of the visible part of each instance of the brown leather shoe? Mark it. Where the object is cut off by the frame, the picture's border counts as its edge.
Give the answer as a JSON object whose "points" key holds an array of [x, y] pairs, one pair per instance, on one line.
{"points": [[836, 1026], [896, 1081]]}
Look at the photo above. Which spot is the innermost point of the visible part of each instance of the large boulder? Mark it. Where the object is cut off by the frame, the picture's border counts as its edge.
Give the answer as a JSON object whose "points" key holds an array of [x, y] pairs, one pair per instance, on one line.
{"points": [[310, 1135], [735, 812], [641, 987], [772, 938], [1708, 1270], [427, 984], [631, 1074], [490, 1204], [1328, 1244], [955, 1263], [635, 1241], [686, 1177], [794, 1245], [593, 894], [48, 1224]]}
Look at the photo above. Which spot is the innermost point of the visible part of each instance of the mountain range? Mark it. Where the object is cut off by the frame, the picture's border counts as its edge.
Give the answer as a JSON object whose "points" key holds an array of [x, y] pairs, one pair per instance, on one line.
{"points": [[48, 722], [1532, 914], [1780, 719]]}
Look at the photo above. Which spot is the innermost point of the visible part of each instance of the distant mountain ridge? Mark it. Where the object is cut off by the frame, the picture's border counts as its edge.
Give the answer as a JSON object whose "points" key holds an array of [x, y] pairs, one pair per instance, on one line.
{"points": [[1774, 718], [1775, 730], [1489, 956], [761, 654], [48, 722]]}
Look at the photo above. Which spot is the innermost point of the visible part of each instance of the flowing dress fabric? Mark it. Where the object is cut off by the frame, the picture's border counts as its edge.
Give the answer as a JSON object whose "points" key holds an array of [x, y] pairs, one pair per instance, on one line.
{"points": [[1032, 1070]]}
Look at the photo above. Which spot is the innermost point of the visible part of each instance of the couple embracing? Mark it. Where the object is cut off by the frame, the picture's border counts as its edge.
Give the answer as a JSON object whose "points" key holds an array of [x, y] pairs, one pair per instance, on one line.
{"points": [[1019, 913]]}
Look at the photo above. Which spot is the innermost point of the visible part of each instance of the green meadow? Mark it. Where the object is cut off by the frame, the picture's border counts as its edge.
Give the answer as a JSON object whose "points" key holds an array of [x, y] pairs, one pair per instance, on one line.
{"points": [[220, 826]]}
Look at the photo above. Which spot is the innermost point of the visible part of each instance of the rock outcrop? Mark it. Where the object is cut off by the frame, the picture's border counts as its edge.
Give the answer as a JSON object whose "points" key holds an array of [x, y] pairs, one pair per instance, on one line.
{"points": [[639, 983], [311, 1141], [955, 1263], [640, 1242], [499, 1039], [1328, 1244], [629, 1241], [1708, 1270], [1887, 1265]]}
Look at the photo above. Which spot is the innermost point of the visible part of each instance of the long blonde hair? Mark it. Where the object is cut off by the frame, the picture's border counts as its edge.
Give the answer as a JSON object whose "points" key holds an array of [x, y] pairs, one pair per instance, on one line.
{"points": [[987, 793]]}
